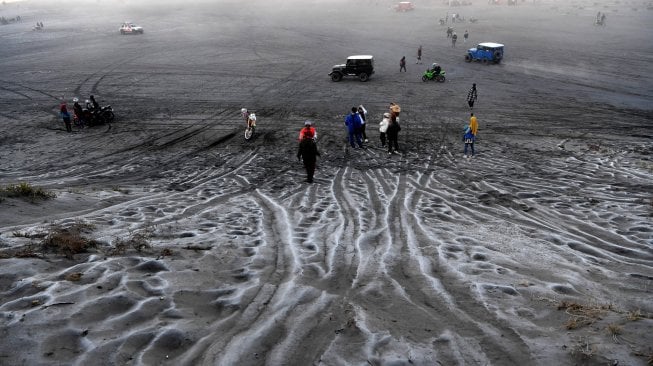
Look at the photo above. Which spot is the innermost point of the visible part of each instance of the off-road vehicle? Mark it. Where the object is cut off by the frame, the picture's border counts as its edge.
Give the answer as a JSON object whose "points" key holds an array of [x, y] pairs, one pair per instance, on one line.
{"points": [[130, 28], [487, 52], [360, 66], [404, 6]]}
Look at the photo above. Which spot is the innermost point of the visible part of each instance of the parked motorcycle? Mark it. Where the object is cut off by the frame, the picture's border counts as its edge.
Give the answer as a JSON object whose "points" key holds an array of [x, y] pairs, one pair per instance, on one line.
{"points": [[431, 75], [107, 113], [98, 116]]}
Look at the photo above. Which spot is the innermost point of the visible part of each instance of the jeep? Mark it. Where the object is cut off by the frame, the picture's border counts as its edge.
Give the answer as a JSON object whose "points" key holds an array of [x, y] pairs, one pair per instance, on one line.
{"points": [[487, 52], [360, 66]]}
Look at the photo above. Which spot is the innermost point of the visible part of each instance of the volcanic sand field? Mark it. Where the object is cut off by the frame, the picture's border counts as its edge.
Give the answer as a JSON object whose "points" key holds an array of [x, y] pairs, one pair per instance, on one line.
{"points": [[208, 249]]}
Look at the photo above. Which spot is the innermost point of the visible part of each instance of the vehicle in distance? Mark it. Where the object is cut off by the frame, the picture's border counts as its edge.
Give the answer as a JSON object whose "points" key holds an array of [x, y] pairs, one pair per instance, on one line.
{"points": [[404, 6], [360, 66], [130, 28], [486, 52]]}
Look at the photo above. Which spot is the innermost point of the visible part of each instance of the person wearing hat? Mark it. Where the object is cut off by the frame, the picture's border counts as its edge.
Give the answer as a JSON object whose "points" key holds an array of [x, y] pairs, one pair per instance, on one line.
{"points": [[308, 153], [245, 114], [308, 130], [78, 111], [393, 134]]}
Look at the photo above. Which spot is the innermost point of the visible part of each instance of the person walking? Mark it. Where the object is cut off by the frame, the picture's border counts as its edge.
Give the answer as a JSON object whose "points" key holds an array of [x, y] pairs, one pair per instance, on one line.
{"points": [[362, 112], [393, 134], [472, 96], [63, 109], [402, 64], [419, 55], [308, 130], [308, 153], [383, 127], [454, 38], [465, 36], [353, 123], [470, 135]]}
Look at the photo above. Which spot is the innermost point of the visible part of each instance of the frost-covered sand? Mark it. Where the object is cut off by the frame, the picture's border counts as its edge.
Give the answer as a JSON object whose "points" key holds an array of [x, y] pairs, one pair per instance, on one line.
{"points": [[209, 250]]}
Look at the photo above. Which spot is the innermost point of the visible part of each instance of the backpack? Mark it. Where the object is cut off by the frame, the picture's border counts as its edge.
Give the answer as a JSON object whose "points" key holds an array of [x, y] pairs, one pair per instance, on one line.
{"points": [[468, 135]]}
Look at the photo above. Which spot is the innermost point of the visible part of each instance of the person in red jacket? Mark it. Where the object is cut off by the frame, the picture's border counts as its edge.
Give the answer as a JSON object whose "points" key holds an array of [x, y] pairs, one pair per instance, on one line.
{"points": [[308, 153], [63, 110], [308, 130]]}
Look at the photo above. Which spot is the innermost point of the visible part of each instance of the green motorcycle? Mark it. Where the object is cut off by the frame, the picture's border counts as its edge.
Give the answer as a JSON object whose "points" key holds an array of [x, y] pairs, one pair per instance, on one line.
{"points": [[431, 75]]}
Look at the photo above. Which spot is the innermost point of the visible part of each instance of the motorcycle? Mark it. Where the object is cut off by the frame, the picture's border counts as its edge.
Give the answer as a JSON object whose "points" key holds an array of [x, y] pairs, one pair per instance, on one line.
{"points": [[107, 113], [430, 75], [98, 116], [251, 126], [92, 117]]}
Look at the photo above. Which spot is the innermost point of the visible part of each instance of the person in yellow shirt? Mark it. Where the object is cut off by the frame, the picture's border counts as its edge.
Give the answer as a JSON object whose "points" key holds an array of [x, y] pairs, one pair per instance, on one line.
{"points": [[470, 135], [473, 124]]}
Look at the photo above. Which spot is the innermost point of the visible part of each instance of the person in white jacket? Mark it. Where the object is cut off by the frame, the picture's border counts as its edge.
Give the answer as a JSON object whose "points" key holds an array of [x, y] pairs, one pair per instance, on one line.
{"points": [[383, 127]]}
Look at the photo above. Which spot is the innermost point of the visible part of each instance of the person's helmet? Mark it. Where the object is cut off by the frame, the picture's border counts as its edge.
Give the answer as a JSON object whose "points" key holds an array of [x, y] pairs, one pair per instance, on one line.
{"points": [[92, 97], [243, 110], [308, 123], [75, 100], [87, 101]]}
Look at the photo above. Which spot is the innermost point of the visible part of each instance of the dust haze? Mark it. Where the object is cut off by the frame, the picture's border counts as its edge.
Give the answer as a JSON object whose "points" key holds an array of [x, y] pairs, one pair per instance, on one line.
{"points": [[201, 248]]}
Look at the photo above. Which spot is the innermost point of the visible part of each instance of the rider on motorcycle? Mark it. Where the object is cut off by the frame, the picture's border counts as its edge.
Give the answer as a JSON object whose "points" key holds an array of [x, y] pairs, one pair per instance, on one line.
{"points": [[436, 68], [250, 118], [96, 105]]}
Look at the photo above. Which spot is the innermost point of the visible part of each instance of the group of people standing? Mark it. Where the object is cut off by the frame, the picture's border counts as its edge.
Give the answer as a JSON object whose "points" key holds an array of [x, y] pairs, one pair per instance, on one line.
{"points": [[454, 37], [79, 114], [388, 127], [600, 18], [355, 122]]}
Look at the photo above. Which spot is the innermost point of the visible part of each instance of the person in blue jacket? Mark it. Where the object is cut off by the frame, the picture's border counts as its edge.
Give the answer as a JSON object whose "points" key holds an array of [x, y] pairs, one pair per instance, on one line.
{"points": [[354, 124]]}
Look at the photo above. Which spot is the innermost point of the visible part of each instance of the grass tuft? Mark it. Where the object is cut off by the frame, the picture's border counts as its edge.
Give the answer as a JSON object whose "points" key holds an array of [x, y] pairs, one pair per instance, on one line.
{"points": [[634, 315], [583, 348], [582, 315], [68, 240], [27, 191], [614, 329], [139, 241]]}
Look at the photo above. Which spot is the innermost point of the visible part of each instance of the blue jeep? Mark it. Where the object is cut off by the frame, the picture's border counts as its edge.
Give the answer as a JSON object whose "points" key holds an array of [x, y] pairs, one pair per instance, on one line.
{"points": [[487, 52]]}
